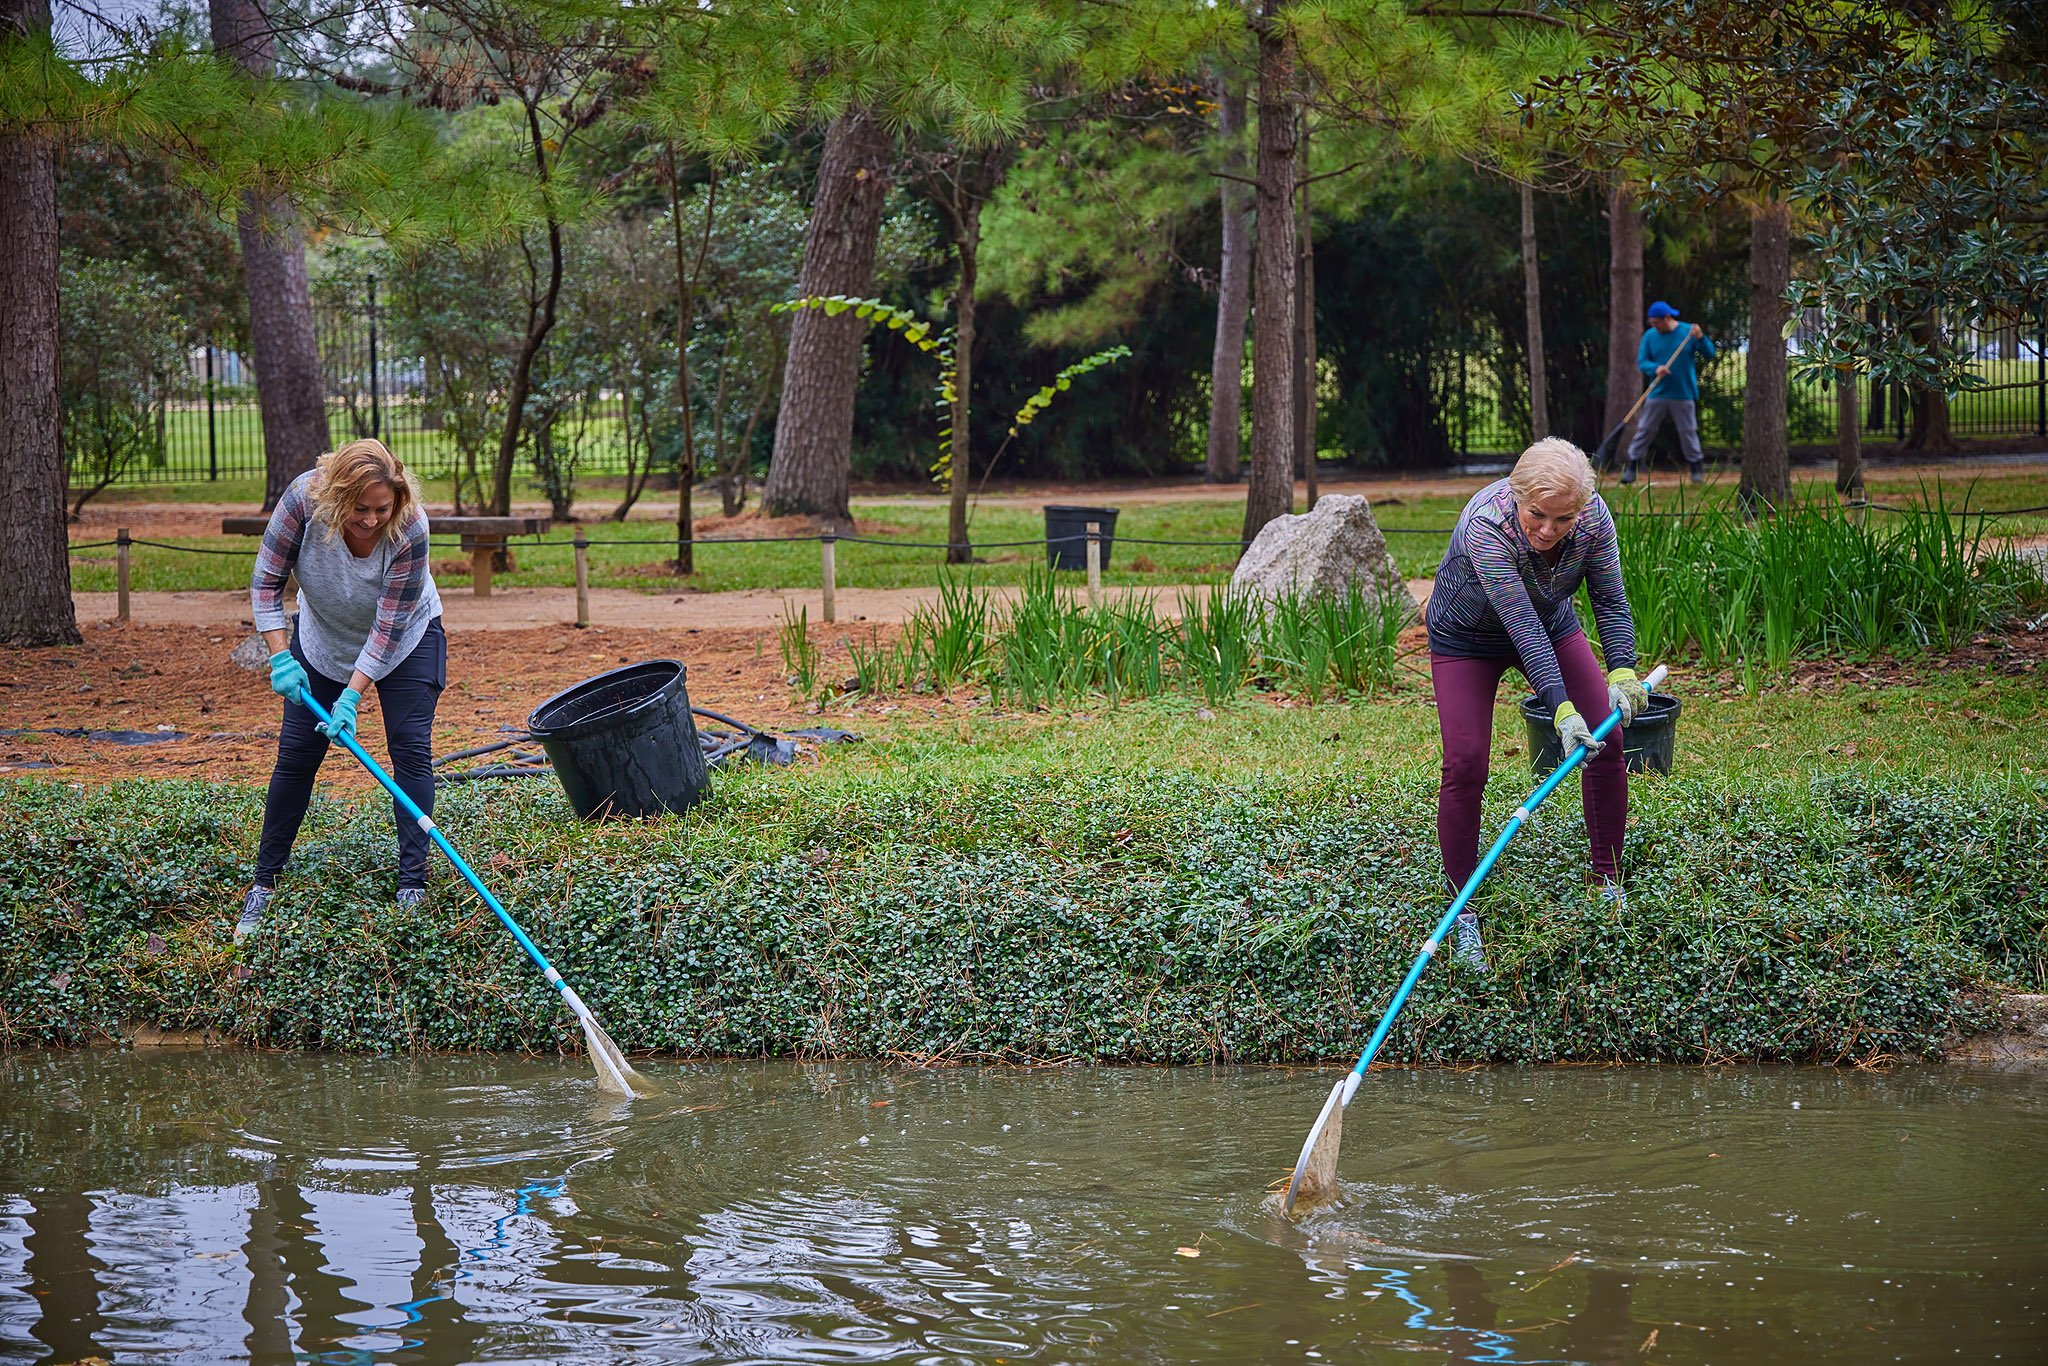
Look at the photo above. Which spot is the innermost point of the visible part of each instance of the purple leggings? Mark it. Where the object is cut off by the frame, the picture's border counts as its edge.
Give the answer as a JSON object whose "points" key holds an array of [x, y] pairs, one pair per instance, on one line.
{"points": [[1465, 691]]}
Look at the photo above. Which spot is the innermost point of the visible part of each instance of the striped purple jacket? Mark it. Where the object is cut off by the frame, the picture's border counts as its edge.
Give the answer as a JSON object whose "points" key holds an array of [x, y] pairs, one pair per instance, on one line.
{"points": [[1495, 596], [355, 612]]}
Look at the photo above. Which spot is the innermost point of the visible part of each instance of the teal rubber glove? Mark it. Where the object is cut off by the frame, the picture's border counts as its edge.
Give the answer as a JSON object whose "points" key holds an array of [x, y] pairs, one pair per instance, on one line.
{"points": [[287, 676], [344, 713], [1626, 694], [1572, 731]]}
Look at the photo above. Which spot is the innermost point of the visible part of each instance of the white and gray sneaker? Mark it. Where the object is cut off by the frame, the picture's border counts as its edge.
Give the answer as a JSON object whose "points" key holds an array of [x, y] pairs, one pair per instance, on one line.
{"points": [[411, 898], [253, 907], [1470, 951], [1613, 896]]}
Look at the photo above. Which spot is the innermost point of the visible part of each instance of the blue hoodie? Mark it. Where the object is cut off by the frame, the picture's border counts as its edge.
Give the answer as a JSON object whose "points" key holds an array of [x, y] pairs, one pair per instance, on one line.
{"points": [[1658, 347]]}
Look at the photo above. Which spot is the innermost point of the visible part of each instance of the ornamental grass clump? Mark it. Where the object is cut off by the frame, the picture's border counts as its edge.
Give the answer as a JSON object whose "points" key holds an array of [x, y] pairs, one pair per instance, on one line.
{"points": [[1813, 580]]}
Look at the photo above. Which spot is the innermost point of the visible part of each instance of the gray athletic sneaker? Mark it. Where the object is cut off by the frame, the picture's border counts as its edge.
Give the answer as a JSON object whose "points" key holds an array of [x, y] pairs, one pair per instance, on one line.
{"points": [[1628, 472], [411, 898], [1698, 475], [253, 906], [1470, 951], [1612, 895]]}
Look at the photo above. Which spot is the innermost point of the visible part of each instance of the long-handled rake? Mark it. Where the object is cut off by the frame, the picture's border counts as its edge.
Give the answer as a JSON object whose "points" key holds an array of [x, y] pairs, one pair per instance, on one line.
{"points": [[614, 1073], [1315, 1171]]}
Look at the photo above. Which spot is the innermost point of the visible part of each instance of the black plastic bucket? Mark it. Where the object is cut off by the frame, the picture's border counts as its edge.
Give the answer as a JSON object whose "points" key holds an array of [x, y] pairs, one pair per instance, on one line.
{"points": [[1644, 745], [1066, 534], [624, 743]]}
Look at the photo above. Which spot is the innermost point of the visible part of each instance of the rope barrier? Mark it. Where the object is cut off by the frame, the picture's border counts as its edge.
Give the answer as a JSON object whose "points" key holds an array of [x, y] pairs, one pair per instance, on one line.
{"points": [[651, 542]]}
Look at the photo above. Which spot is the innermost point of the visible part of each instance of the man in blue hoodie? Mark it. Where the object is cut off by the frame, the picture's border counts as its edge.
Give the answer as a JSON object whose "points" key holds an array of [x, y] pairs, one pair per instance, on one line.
{"points": [[1674, 391]]}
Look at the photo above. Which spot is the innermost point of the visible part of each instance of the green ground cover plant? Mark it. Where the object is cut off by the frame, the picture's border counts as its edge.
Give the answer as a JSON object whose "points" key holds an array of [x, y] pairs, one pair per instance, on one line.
{"points": [[1041, 891]]}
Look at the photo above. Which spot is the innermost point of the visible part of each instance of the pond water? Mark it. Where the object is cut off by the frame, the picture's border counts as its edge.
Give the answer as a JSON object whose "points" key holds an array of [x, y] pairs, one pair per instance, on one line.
{"points": [[225, 1206]]}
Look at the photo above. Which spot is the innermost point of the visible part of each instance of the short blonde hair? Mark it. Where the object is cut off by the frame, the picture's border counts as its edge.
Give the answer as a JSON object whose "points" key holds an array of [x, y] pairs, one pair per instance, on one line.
{"points": [[1552, 468], [344, 474]]}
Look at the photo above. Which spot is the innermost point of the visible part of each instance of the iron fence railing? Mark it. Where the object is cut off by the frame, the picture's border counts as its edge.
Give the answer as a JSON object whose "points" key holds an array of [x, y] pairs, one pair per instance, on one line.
{"points": [[212, 428]]}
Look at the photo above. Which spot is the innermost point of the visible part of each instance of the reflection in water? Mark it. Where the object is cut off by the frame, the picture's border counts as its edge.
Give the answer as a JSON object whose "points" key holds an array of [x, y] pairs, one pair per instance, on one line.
{"points": [[220, 1206]]}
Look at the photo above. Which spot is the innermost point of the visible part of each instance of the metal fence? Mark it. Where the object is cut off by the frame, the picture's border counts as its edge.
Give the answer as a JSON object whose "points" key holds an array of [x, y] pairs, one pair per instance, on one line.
{"points": [[2010, 356], [212, 428]]}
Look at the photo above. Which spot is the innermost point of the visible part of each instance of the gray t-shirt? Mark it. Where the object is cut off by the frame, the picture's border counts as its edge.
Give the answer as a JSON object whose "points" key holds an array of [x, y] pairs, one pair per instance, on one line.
{"points": [[363, 612]]}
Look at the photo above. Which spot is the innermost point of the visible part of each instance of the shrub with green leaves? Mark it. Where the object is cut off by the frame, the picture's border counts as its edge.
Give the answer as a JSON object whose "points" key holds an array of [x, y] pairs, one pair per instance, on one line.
{"points": [[1049, 915]]}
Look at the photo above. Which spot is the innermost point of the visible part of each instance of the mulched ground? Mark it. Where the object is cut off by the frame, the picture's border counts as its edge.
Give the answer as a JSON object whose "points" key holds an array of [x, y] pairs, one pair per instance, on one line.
{"points": [[161, 679]]}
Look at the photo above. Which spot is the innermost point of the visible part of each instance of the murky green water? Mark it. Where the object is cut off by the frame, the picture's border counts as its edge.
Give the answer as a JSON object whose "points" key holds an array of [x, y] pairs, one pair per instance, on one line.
{"points": [[212, 1207]]}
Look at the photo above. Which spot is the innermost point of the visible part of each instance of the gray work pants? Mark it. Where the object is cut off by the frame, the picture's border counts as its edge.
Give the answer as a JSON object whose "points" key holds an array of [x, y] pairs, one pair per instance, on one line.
{"points": [[1684, 415]]}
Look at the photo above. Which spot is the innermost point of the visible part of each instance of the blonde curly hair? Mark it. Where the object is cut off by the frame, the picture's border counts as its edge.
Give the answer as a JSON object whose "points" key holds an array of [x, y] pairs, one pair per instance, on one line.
{"points": [[346, 473], [1552, 468]]}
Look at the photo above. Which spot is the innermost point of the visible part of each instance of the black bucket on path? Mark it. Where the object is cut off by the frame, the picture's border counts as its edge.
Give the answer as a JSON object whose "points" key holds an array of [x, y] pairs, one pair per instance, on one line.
{"points": [[624, 743], [1066, 534], [1644, 745]]}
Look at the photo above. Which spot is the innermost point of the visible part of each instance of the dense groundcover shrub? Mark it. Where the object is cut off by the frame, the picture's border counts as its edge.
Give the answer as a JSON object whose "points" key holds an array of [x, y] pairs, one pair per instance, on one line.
{"points": [[1154, 917]]}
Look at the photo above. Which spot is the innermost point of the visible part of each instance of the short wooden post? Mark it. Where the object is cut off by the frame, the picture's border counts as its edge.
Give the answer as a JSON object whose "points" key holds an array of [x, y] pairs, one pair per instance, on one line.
{"points": [[582, 578], [481, 550], [121, 573], [1095, 564], [829, 573]]}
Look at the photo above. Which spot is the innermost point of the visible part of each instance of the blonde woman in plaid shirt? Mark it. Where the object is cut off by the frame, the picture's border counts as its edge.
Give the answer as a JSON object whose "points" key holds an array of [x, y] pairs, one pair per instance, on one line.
{"points": [[353, 530]]}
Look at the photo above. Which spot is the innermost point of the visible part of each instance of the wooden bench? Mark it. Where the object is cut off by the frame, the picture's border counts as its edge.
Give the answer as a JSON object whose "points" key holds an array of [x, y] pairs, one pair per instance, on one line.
{"points": [[482, 537]]}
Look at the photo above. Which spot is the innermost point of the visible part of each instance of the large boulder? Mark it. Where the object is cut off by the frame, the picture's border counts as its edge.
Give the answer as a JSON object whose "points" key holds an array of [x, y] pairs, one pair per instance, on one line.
{"points": [[1324, 551]]}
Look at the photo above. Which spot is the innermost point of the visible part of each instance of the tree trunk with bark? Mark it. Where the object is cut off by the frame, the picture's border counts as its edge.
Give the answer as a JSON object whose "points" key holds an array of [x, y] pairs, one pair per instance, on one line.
{"points": [[1848, 437], [290, 390], [809, 469], [1271, 492], [1766, 460], [1233, 299], [1624, 305], [686, 322], [967, 244], [1532, 308], [1929, 430], [540, 320], [35, 563], [1305, 408]]}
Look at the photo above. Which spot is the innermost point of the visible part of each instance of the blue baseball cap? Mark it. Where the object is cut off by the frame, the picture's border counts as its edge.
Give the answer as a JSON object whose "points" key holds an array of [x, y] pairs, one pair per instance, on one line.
{"points": [[1660, 309]]}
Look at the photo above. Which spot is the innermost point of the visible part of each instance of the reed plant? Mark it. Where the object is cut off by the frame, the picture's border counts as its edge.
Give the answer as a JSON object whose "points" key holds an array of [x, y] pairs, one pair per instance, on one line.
{"points": [[1814, 580], [800, 654]]}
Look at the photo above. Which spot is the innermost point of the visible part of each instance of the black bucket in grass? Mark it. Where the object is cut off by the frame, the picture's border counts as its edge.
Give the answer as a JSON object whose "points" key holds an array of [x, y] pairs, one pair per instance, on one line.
{"points": [[624, 743], [1066, 534], [1644, 745]]}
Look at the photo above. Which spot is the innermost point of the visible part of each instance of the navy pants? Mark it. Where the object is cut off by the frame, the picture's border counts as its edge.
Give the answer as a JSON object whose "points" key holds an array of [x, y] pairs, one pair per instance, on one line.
{"points": [[407, 696]]}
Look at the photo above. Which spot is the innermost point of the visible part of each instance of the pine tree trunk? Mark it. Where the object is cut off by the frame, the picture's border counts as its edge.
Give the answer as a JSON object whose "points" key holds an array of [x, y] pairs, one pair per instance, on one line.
{"points": [[1848, 437], [1766, 460], [809, 469], [1233, 300], [1271, 492], [290, 390], [1305, 334], [1624, 306], [1532, 308], [35, 565]]}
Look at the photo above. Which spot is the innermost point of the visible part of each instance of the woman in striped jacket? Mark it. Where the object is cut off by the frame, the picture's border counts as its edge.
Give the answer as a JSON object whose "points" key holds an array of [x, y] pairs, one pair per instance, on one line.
{"points": [[353, 531], [1503, 599]]}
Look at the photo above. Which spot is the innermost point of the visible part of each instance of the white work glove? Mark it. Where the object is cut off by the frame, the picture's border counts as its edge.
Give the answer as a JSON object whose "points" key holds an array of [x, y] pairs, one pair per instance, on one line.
{"points": [[1572, 731], [1627, 695]]}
